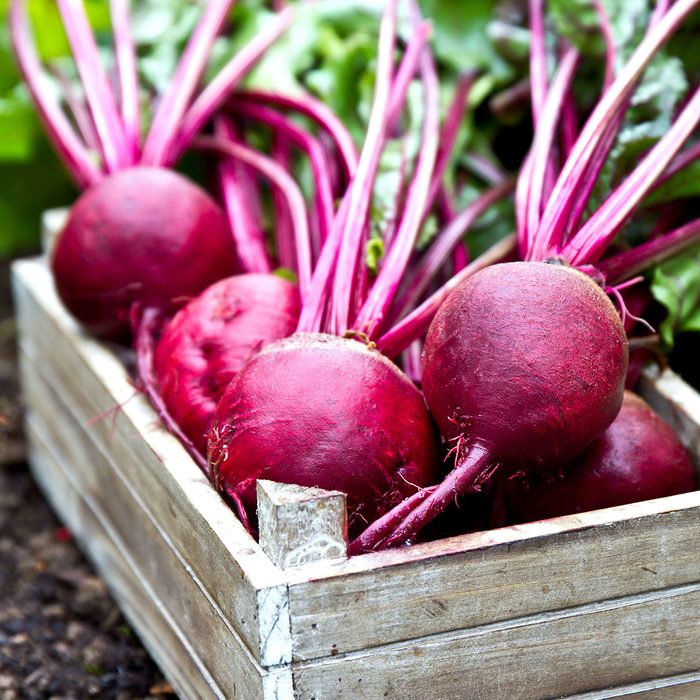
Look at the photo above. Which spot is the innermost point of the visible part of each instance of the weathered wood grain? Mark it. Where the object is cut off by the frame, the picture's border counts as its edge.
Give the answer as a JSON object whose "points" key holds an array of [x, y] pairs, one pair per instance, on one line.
{"points": [[685, 686], [157, 562], [241, 578], [553, 655], [166, 642], [299, 525]]}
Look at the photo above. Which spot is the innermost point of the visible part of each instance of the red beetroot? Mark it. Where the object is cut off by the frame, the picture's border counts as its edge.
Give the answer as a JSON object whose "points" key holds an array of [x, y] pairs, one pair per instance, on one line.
{"points": [[142, 234], [209, 340], [637, 458], [524, 366], [318, 410]]}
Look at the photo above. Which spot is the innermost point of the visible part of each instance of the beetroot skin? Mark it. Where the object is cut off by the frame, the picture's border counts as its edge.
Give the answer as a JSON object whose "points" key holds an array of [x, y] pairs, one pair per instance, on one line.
{"points": [[145, 235], [637, 458], [318, 410], [524, 366], [210, 339], [527, 360]]}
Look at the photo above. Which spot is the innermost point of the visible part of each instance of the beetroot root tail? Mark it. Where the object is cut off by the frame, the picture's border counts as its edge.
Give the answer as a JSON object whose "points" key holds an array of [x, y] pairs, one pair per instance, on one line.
{"points": [[380, 528], [467, 476]]}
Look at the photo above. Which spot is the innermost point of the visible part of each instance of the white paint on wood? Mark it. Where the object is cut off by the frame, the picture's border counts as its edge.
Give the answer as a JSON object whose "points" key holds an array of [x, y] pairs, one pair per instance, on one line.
{"points": [[299, 525], [685, 686]]}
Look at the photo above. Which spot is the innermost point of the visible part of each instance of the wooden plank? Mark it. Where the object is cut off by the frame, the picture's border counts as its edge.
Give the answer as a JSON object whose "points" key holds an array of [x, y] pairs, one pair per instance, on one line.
{"points": [[486, 577], [552, 655], [675, 401], [238, 575], [181, 593], [685, 686], [164, 640]]}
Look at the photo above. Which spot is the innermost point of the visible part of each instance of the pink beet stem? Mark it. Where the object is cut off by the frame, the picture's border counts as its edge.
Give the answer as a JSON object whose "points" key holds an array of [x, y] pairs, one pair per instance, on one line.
{"points": [[387, 283], [415, 325], [406, 72], [361, 185], [629, 263], [598, 232], [313, 312], [284, 229], [76, 109], [67, 143], [446, 241], [281, 179], [98, 92], [303, 140], [448, 135], [380, 528], [609, 39], [219, 89], [318, 112], [171, 111], [246, 229], [614, 101], [543, 143], [461, 480], [128, 76]]}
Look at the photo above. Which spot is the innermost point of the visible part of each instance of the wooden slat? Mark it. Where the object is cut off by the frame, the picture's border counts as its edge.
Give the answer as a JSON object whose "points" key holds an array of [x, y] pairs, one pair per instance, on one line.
{"points": [[161, 636], [685, 686], [552, 655], [181, 593], [675, 401], [239, 576], [343, 610]]}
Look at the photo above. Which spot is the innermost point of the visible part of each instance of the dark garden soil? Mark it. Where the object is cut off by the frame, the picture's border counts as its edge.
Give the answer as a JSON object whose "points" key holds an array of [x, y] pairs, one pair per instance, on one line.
{"points": [[61, 635]]}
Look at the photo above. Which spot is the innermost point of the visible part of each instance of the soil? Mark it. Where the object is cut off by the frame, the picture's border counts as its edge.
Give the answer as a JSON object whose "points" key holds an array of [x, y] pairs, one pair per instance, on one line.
{"points": [[61, 635]]}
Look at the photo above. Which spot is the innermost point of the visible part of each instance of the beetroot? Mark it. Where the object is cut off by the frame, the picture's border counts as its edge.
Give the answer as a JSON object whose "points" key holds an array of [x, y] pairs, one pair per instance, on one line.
{"points": [[523, 366], [142, 234], [209, 340], [318, 410], [637, 458]]}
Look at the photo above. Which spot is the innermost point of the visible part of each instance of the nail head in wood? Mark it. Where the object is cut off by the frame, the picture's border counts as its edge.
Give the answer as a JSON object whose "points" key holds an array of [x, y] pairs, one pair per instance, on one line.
{"points": [[299, 525]]}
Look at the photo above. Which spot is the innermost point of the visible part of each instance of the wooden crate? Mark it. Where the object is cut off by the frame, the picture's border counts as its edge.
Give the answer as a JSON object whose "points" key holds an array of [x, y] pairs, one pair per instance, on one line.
{"points": [[597, 605]]}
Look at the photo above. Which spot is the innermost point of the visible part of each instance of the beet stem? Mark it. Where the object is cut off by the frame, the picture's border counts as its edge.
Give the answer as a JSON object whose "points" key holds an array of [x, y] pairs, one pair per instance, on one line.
{"points": [[613, 103], [70, 148], [218, 90], [98, 92], [542, 149], [128, 75], [609, 39], [281, 179], [631, 262], [405, 73], [303, 140], [320, 113], [361, 187], [386, 285], [175, 101], [598, 232], [247, 232], [447, 240], [414, 326], [463, 479]]}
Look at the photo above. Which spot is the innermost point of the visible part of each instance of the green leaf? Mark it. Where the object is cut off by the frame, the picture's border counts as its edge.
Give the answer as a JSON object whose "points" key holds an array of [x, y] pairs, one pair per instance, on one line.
{"points": [[676, 285]]}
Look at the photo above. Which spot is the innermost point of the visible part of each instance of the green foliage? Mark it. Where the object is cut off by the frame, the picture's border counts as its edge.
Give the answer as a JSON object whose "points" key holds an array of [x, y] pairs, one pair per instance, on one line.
{"points": [[676, 285]]}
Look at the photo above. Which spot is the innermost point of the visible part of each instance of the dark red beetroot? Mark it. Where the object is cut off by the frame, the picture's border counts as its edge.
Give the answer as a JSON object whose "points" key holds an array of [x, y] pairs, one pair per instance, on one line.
{"points": [[637, 458], [523, 366], [318, 410], [210, 339], [142, 234]]}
